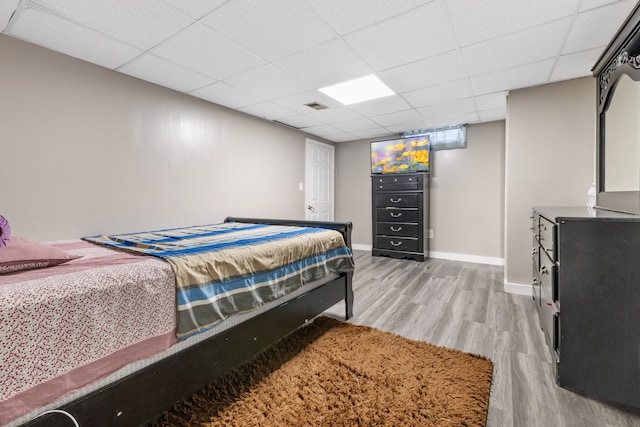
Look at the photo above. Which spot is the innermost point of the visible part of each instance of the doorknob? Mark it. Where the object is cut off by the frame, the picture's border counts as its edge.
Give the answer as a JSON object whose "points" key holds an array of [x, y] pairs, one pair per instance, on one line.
{"points": [[311, 208]]}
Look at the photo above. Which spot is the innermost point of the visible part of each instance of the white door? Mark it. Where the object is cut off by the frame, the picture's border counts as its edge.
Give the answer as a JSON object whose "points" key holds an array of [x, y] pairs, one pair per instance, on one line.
{"points": [[318, 195]]}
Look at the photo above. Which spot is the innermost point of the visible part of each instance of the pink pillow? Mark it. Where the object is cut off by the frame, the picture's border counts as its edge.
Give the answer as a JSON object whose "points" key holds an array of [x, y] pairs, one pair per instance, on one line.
{"points": [[24, 254]]}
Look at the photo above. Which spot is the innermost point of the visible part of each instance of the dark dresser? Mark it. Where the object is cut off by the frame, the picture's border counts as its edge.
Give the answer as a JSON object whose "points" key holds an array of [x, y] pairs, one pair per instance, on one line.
{"points": [[400, 215], [586, 287]]}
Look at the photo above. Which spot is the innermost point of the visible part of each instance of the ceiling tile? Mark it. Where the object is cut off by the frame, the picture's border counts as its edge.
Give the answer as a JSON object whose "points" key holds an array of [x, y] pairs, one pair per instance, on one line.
{"points": [[74, 40], [475, 21], [192, 49], [520, 48], [512, 78], [323, 130], [591, 4], [440, 93], [341, 137], [422, 33], [223, 94], [456, 119], [371, 133], [400, 117], [296, 102], [575, 65], [386, 105], [460, 106], [493, 115], [164, 73], [317, 65], [426, 72], [267, 82], [491, 101], [141, 23], [605, 19], [409, 126], [197, 8], [347, 16], [7, 8], [356, 125], [301, 121], [267, 110], [335, 115], [273, 29]]}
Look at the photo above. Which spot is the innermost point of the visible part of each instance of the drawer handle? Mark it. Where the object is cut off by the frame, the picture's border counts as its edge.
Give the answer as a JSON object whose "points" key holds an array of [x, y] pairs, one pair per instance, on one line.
{"points": [[398, 215], [393, 229], [534, 251], [395, 201], [543, 269], [395, 244]]}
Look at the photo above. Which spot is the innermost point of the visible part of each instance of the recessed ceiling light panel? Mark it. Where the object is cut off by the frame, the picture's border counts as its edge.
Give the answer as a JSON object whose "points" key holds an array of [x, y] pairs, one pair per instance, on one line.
{"points": [[358, 90]]}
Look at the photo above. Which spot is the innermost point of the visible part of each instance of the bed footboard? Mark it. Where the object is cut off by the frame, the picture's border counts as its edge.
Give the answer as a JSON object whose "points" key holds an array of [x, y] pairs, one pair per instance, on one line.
{"points": [[344, 228]]}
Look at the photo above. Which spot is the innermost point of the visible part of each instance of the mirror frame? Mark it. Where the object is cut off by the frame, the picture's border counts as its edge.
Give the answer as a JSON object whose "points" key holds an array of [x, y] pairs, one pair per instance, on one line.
{"points": [[622, 56]]}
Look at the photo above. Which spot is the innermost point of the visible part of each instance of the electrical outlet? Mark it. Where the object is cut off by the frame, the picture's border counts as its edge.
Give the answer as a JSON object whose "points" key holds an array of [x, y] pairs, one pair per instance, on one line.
{"points": [[431, 233]]}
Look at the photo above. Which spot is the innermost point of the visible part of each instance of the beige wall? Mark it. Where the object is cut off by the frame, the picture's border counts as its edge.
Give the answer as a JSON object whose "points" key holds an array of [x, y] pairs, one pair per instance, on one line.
{"points": [[467, 192], [353, 189], [85, 150], [549, 160]]}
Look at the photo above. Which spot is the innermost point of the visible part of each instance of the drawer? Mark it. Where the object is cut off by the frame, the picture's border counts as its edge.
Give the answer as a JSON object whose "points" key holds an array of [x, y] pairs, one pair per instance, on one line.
{"points": [[397, 229], [535, 224], [397, 182], [397, 243], [535, 253], [536, 288], [397, 200], [549, 276], [396, 215], [548, 237], [550, 323]]}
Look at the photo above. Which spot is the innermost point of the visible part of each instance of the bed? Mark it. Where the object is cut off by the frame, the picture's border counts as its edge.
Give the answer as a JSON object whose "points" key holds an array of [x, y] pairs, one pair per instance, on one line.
{"points": [[150, 374]]}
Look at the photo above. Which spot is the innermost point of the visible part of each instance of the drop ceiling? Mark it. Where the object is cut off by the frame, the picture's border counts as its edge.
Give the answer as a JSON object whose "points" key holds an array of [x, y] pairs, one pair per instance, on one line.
{"points": [[448, 61]]}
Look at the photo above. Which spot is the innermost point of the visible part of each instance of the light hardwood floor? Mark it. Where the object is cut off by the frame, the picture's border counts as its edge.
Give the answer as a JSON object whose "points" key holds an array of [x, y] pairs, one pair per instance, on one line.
{"points": [[463, 305]]}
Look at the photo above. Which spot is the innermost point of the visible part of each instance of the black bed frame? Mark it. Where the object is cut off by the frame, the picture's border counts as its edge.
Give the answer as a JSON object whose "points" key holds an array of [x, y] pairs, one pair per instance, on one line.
{"points": [[144, 395]]}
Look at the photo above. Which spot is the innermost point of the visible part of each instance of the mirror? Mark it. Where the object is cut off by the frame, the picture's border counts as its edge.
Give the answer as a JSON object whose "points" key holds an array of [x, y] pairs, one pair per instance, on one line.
{"points": [[617, 74], [622, 137]]}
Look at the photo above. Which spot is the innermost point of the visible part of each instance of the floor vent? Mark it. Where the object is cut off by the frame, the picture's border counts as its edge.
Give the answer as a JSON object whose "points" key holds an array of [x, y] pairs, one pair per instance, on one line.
{"points": [[316, 105]]}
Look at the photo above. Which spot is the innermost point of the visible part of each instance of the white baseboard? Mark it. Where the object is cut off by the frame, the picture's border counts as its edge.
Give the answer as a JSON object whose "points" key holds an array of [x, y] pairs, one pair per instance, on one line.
{"points": [[447, 255], [467, 258], [517, 288], [359, 247]]}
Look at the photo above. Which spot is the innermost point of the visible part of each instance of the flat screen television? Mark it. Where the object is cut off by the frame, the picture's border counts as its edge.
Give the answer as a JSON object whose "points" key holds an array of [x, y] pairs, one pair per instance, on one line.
{"points": [[400, 155]]}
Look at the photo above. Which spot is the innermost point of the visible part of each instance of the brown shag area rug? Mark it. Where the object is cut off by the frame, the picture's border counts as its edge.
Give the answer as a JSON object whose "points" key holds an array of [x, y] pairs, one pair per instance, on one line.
{"points": [[332, 373]]}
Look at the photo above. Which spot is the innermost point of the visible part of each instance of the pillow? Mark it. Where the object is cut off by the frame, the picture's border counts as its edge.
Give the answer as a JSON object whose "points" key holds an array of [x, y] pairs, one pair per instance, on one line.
{"points": [[24, 254], [5, 232]]}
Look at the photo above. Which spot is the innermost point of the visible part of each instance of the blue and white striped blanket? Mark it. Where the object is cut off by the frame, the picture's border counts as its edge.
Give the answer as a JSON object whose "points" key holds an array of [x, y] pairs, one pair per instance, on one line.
{"points": [[228, 268]]}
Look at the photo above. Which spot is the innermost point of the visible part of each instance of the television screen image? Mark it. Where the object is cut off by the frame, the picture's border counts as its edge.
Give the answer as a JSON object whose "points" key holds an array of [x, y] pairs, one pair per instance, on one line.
{"points": [[400, 155]]}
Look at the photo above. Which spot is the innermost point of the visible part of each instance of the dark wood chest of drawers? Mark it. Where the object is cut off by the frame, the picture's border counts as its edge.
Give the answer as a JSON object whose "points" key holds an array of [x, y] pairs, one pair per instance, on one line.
{"points": [[586, 288], [400, 215]]}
